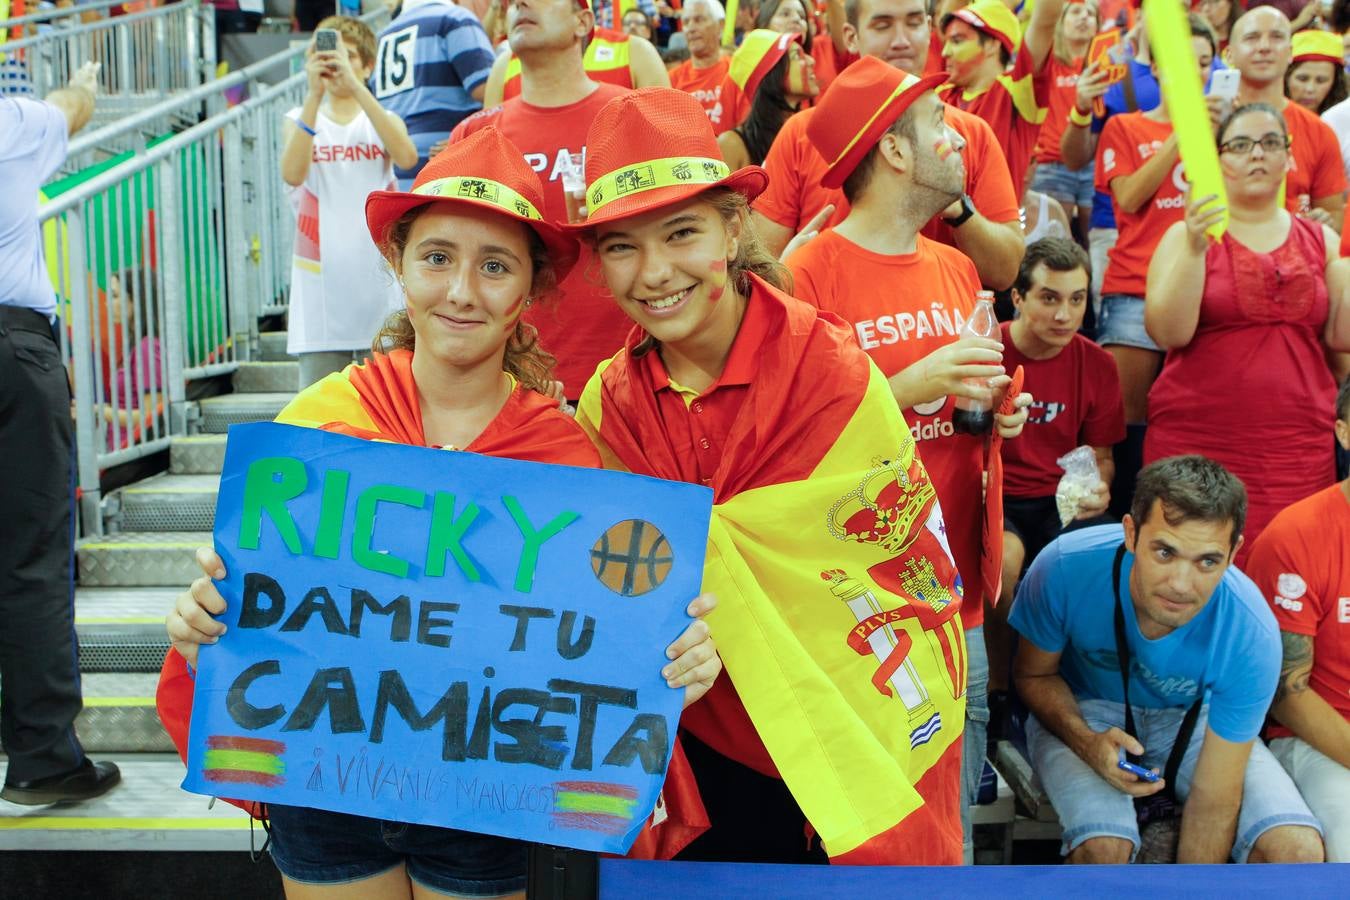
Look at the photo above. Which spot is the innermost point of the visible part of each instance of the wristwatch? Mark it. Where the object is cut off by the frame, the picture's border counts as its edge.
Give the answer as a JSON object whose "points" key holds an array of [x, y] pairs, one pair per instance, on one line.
{"points": [[967, 210]]}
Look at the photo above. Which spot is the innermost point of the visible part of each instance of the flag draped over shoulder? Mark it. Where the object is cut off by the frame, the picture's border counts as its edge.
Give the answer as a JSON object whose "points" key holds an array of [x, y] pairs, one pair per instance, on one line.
{"points": [[378, 401], [838, 601]]}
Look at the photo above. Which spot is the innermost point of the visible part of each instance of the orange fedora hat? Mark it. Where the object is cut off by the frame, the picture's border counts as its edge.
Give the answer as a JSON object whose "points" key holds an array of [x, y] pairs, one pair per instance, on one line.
{"points": [[484, 170], [856, 110], [653, 147]]}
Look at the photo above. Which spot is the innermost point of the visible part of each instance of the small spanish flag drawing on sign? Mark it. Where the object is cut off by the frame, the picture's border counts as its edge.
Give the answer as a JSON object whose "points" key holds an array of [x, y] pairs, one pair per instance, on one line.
{"points": [[594, 806], [242, 760]]}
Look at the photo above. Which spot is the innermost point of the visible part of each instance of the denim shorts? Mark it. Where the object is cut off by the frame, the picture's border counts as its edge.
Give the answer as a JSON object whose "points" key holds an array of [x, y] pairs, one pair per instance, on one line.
{"points": [[1122, 322], [1088, 807], [314, 846], [1064, 184]]}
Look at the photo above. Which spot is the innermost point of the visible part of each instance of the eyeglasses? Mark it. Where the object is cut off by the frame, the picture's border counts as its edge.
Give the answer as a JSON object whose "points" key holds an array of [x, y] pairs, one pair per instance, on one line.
{"points": [[1243, 146]]}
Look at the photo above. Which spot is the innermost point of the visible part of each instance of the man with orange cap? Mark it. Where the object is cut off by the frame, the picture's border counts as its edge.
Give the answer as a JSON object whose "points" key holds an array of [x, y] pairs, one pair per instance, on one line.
{"points": [[982, 222], [1000, 74], [548, 122], [884, 136]]}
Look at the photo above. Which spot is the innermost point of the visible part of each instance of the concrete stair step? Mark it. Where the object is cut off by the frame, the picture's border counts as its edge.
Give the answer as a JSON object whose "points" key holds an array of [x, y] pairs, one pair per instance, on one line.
{"points": [[119, 713], [122, 629], [219, 413], [168, 502], [140, 558], [197, 454], [272, 346], [146, 811], [266, 376]]}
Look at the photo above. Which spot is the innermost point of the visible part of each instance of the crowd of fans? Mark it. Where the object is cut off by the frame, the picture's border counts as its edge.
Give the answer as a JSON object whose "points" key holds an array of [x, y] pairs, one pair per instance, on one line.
{"points": [[1171, 406]]}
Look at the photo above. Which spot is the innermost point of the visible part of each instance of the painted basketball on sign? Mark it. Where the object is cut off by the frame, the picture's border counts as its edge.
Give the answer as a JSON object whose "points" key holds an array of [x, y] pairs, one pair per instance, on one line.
{"points": [[632, 558]]}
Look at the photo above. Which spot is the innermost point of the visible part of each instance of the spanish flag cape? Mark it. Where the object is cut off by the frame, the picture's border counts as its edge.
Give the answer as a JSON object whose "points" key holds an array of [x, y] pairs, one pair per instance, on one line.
{"points": [[838, 601], [378, 401]]}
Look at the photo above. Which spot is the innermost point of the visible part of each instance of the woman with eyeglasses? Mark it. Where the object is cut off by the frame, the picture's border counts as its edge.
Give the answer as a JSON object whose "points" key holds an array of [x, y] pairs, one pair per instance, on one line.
{"points": [[1247, 322]]}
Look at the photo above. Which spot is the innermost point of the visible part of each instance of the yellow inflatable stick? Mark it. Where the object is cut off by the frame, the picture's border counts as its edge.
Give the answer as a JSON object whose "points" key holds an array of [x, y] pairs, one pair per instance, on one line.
{"points": [[1169, 39], [729, 30]]}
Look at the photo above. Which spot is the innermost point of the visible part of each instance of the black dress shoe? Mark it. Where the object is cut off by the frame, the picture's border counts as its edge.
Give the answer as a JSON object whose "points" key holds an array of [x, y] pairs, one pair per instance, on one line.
{"points": [[88, 781]]}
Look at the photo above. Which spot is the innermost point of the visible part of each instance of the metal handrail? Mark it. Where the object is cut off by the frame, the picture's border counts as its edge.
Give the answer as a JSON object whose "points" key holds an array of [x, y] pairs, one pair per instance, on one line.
{"points": [[151, 155], [93, 139], [47, 15], [102, 24]]}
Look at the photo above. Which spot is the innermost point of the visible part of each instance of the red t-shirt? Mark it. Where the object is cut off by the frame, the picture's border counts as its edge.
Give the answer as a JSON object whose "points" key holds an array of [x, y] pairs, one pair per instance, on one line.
{"points": [[795, 195], [705, 85], [1014, 106], [581, 324], [1301, 562], [1077, 402], [897, 328], [1127, 141], [1316, 169], [1063, 78]]}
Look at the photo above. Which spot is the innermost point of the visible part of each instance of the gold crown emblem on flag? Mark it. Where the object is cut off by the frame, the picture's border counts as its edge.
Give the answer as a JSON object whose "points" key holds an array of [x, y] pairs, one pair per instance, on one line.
{"points": [[883, 509]]}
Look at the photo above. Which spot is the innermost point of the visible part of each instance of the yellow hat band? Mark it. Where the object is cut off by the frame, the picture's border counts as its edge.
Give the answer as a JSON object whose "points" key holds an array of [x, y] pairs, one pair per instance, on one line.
{"points": [[481, 190], [908, 82], [653, 174]]}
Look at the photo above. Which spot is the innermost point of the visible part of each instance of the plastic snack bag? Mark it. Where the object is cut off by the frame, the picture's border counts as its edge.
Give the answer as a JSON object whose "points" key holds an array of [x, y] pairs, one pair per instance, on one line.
{"points": [[1081, 479]]}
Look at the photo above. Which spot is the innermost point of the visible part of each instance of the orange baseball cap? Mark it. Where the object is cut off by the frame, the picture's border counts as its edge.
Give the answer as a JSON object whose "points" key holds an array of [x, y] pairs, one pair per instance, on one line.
{"points": [[484, 170], [856, 110], [1323, 46], [760, 51], [653, 147], [993, 18]]}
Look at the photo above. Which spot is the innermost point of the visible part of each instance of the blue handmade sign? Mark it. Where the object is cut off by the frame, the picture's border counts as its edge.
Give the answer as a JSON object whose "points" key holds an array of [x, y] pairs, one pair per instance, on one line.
{"points": [[444, 638]]}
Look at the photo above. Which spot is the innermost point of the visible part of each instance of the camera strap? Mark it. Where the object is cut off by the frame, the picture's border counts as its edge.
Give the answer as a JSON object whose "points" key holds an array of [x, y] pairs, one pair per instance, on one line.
{"points": [[1188, 721]]}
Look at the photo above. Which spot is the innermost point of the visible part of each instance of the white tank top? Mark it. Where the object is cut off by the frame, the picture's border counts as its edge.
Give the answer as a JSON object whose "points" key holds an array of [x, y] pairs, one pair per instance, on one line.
{"points": [[341, 288]]}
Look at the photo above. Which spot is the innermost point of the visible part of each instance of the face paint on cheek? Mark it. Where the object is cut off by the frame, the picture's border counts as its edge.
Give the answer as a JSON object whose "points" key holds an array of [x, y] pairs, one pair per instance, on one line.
{"points": [[718, 269], [513, 313], [943, 148], [964, 52]]}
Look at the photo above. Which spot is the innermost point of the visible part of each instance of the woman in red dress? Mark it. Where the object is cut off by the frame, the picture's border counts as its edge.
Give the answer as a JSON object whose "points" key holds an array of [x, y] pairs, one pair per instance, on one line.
{"points": [[1247, 322]]}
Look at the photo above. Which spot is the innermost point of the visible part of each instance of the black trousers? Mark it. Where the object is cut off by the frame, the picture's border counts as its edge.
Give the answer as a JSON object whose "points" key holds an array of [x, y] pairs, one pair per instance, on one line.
{"points": [[39, 671]]}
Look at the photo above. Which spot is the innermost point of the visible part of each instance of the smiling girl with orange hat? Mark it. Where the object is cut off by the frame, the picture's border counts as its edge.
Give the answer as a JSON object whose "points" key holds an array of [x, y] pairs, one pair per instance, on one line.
{"points": [[838, 617], [456, 368]]}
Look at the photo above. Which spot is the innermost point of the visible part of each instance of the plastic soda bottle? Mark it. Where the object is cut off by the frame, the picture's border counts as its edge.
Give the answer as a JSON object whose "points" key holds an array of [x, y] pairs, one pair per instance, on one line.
{"points": [[977, 416]]}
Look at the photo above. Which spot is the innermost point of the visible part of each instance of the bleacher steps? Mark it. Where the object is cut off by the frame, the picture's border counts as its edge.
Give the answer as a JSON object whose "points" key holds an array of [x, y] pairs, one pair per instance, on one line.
{"points": [[169, 502], [140, 558], [119, 713], [267, 377], [147, 811], [219, 413], [272, 346], [122, 629], [197, 454]]}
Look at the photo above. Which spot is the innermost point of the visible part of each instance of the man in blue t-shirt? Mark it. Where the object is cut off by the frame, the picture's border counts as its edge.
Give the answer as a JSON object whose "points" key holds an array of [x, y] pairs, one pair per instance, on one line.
{"points": [[1193, 628], [430, 70]]}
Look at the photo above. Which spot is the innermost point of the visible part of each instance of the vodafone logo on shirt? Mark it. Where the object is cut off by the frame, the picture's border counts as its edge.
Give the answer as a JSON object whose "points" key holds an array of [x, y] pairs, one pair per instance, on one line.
{"points": [[1177, 200]]}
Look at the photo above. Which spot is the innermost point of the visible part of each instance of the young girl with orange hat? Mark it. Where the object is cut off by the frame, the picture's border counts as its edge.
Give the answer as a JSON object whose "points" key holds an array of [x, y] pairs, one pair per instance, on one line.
{"points": [[455, 369], [838, 617]]}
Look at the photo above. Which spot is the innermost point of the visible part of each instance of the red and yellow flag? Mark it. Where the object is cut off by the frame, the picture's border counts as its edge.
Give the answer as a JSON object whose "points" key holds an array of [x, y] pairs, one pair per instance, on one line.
{"points": [[839, 603]]}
